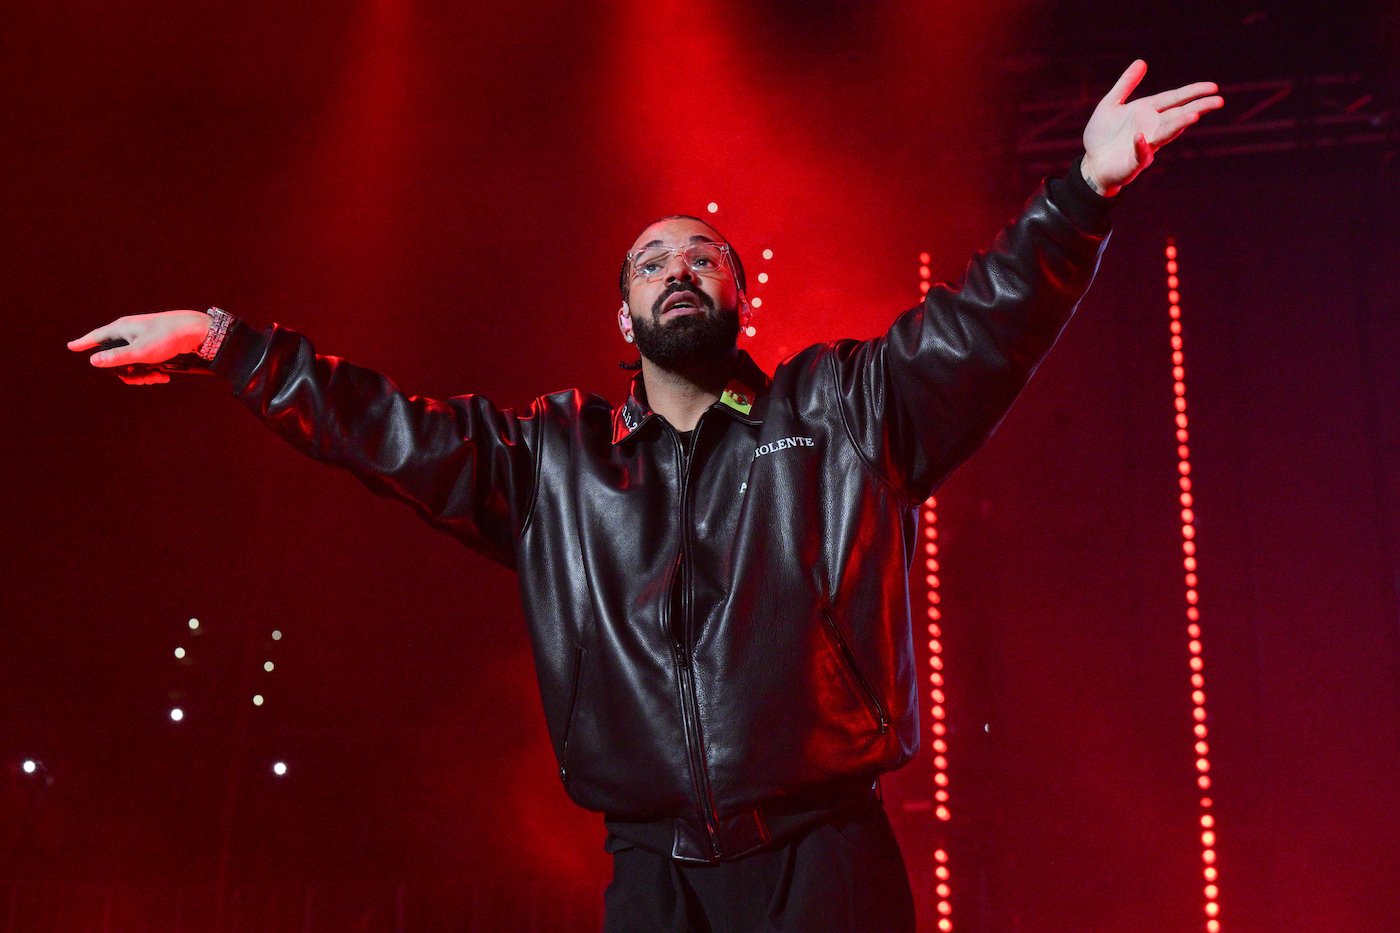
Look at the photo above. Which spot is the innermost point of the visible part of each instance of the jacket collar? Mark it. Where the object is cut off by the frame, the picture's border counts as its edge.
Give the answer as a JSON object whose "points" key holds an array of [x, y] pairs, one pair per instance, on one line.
{"points": [[744, 398]]}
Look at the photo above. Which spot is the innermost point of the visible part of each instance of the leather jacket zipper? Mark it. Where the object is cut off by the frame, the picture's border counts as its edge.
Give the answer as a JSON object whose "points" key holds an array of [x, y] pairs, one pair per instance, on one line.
{"points": [[681, 641], [877, 709]]}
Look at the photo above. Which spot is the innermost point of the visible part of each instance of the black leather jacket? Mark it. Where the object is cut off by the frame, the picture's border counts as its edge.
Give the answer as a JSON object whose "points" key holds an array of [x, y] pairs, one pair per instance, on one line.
{"points": [[722, 635]]}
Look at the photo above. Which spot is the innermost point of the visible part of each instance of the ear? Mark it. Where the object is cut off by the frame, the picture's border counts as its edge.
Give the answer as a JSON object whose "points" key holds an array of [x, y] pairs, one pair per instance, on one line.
{"points": [[624, 322], [745, 312]]}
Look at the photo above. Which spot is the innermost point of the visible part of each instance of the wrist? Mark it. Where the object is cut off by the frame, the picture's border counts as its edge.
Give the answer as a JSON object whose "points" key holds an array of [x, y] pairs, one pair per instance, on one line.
{"points": [[217, 322], [1106, 191]]}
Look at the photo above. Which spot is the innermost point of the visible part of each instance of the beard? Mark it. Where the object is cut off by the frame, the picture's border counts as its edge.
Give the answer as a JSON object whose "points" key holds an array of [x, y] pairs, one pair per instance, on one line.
{"points": [[691, 340]]}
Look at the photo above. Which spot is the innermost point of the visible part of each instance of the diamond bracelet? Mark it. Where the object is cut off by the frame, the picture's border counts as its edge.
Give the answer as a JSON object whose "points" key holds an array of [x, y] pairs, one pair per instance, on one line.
{"points": [[218, 329]]}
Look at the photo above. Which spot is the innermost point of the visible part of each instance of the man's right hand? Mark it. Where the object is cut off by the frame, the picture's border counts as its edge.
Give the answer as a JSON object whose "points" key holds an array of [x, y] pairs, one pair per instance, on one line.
{"points": [[150, 338]]}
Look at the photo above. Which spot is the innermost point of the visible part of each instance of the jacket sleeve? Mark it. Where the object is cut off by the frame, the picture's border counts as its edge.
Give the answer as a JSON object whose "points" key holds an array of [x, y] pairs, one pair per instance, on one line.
{"points": [[923, 397], [465, 466]]}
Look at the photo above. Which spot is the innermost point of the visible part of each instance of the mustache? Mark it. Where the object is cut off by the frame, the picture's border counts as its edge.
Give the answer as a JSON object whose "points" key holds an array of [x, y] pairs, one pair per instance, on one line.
{"points": [[701, 298]]}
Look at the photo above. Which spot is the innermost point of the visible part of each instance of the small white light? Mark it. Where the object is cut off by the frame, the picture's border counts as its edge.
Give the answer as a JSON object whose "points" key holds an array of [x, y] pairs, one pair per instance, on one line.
{"points": [[763, 276], [712, 207], [194, 624], [177, 714], [30, 766], [750, 331], [986, 727], [279, 769], [180, 653], [257, 699], [756, 302], [267, 666], [276, 634], [767, 254]]}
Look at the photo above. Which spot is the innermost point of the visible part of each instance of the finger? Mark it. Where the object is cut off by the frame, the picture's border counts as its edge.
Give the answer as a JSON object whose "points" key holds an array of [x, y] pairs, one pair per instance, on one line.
{"points": [[1142, 149], [118, 356], [93, 337], [142, 376], [1177, 96], [1127, 82], [1175, 124]]}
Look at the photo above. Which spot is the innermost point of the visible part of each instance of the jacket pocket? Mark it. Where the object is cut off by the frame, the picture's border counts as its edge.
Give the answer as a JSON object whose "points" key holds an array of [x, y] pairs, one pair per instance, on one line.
{"points": [[574, 690], [848, 661]]}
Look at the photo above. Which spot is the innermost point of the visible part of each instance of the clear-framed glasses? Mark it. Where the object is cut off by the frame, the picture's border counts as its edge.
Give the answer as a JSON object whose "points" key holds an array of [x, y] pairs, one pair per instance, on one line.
{"points": [[651, 262]]}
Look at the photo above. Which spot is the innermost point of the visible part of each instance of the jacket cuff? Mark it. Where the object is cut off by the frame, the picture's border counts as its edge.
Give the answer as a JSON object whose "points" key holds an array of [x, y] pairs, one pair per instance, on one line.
{"points": [[243, 348], [1089, 210]]}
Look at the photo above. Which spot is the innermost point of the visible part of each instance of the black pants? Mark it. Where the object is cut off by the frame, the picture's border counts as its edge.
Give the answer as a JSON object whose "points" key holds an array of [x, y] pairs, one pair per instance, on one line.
{"points": [[844, 876]]}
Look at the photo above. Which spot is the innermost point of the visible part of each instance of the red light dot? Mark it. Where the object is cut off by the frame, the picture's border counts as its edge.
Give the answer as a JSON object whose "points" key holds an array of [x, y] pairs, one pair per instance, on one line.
{"points": [[1179, 388], [1176, 343], [924, 258], [1208, 856], [931, 564], [940, 746], [1194, 646], [944, 908], [1178, 358], [1188, 516], [943, 814], [1198, 680], [923, 287], [938, 712], [937, 696], [924, 272], [1212, 926], [1172, 281], [1171, 251], [1173, 296], [1183, 452], [1203, 782], [1181, 421], [1180, 404], [941, 873], [1188, 547], [1193, 613], [1200, 730], [1212, 891], [1171, 266], [943, 890], [941, 796], [940, 855], [1212, 909], [1178, 372], [945, 925], [1203, 748], [1207, 820], [1175, 327], [1191, 579], [1181, 435], [1193, 630], [931, 579], [934, 613], [1212, 873], [1196, 664], [940, 729], [1185, 484], [1199, 714], [1198, 697], [930, 548], [1208, 838]]}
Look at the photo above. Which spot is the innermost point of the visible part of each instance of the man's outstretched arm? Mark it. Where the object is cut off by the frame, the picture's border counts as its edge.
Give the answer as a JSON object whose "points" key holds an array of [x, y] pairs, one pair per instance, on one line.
{"points": [[923, 397], [467, 467]]}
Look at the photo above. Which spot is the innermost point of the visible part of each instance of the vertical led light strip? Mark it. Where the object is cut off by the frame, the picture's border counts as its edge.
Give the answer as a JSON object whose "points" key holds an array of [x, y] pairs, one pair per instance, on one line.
{"points": [[938, 706], [1193, 611]]}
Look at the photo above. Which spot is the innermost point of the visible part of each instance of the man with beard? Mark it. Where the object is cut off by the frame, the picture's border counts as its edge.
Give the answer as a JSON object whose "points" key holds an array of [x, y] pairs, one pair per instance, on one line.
{"points": [[714, 573]]}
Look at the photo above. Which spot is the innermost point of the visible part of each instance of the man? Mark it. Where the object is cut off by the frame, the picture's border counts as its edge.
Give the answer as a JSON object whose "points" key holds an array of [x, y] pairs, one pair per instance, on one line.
{"points": [[714, 573]]}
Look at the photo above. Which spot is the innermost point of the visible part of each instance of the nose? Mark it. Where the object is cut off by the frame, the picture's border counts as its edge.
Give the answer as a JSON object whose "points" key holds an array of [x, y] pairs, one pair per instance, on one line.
{"points": [[678, 270]]}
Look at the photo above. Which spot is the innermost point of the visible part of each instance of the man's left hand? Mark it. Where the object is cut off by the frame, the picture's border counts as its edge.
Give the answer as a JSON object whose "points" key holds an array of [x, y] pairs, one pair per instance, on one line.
{"points": [[1121, 137]]}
